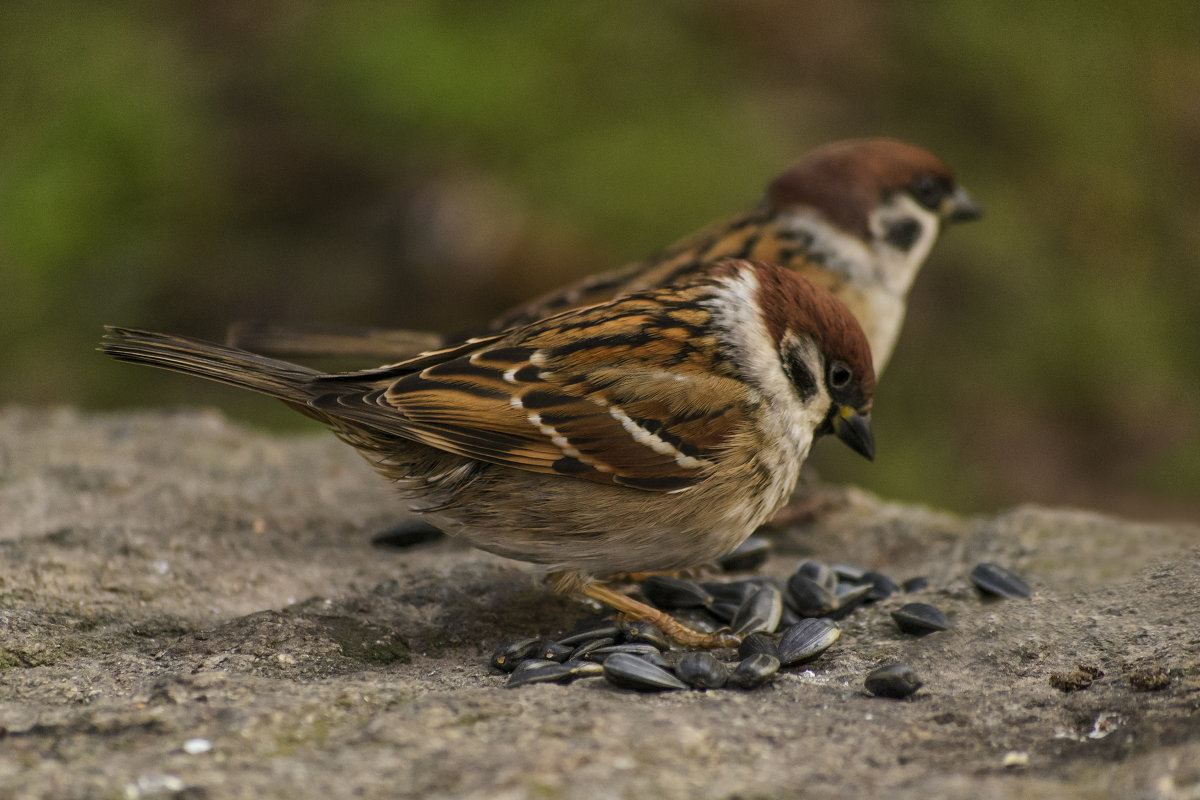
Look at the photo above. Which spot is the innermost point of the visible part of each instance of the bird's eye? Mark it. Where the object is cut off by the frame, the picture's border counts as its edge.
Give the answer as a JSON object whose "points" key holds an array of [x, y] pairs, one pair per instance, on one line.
{"points": [[840, 375], [928, 191]]}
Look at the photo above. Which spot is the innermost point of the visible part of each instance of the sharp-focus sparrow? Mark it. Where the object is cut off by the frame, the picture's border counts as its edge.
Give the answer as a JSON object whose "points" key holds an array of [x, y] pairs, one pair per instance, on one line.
{"points": [[651, 432], [857, 217]]}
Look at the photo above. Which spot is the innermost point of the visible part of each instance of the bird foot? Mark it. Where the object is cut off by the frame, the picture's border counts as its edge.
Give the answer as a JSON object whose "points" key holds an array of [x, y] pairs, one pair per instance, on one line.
{"points": [[670, 626]]}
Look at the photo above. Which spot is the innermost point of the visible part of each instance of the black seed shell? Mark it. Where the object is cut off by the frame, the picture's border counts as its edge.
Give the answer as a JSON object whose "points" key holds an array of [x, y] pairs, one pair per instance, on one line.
{"points": [[995, 580], [750, 554], [920, 619], [630, 672], [757, 643], [663, 591], [512, 652], [895, 680], [760, 613], [808, 598], [702, 670], [754, 671], [806, 640]]}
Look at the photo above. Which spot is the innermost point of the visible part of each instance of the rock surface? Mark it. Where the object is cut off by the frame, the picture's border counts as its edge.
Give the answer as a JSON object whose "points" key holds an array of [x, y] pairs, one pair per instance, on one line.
{"points": [[190, 609]]}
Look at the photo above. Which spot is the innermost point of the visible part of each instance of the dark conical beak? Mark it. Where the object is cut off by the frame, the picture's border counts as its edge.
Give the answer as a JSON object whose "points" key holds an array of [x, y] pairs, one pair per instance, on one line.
{"points": [[959, 207], [855, 430]]}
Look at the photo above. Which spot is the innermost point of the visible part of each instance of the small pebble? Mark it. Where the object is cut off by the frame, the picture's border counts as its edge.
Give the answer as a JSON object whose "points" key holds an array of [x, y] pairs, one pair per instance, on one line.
{"points": [[196, 746], [1149, 679], [1077, 679]]}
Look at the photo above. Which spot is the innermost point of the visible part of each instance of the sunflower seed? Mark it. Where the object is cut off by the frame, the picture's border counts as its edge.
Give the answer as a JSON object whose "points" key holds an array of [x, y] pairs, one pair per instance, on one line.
{"points": [[702, 670], [553, 651], [630, 672], [754, 671], [895, 680], [590, 628], [645, 633], [809, 598], [849, 572], [818, 572], [882, 587], [585, 649], [512, 652], [723, 611], [995, 580], [806, 640], [920, 619], [760, 613], [627, 648], [553, 673], [750, 554], [757, 643], [521, 674], [663, 591], [733, 592]]}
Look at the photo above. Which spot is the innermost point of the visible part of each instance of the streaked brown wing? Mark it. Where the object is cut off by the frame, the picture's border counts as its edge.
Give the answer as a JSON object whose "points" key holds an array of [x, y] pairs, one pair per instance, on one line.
{"points": [[616, 394]]}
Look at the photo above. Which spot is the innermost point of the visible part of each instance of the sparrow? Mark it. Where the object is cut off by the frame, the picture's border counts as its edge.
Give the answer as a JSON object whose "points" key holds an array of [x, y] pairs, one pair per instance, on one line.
{"points": [[856, 217], [651, 432]]}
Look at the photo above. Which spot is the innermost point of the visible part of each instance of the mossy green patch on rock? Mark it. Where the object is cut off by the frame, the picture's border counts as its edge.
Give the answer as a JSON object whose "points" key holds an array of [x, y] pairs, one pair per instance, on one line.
{"points": [[365, 641]]}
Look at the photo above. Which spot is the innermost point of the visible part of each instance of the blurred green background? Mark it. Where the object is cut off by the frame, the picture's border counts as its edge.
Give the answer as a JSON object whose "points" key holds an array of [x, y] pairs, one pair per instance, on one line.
{"points": [[426, 164]]}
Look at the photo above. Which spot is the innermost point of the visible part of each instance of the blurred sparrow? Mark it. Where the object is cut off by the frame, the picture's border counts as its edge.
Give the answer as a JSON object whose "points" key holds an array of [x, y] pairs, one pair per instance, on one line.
{"points": [[857, 217], [651, 432]]}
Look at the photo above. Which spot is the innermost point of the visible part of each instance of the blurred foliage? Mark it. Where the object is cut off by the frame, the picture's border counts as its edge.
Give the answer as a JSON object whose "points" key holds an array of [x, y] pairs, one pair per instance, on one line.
{"points": [[426, 164]]}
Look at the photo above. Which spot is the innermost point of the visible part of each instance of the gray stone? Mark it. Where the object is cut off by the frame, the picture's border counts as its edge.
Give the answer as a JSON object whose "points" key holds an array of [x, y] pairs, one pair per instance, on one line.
{"points": [[173, 577]]}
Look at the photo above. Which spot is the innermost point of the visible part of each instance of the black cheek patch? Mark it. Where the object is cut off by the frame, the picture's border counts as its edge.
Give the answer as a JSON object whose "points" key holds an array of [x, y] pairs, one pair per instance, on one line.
{"points": [[802, 379], [903, 233]]}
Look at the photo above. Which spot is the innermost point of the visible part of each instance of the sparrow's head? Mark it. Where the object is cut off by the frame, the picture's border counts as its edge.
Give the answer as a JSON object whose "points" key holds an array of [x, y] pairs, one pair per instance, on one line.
{"points": [[821, 349], [891, 195]]}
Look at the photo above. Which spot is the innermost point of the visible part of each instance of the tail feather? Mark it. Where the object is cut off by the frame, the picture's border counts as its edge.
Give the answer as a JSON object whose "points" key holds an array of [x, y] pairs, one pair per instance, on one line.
{"points": [[289, 382]]}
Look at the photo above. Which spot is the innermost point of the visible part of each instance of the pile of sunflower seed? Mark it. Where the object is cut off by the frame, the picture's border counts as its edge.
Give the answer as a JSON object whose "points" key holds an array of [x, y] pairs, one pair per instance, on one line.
{"points": [[782, 624]]}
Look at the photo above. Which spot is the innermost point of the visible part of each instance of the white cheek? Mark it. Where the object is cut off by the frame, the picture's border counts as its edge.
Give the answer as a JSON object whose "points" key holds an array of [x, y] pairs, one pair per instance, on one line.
{"points": [[840, 252], [897, 269]]}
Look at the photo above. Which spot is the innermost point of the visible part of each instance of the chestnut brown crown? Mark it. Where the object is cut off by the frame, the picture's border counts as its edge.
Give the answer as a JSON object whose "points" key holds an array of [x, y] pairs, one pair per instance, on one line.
{"points": [[791, 302], [847, 180]]}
